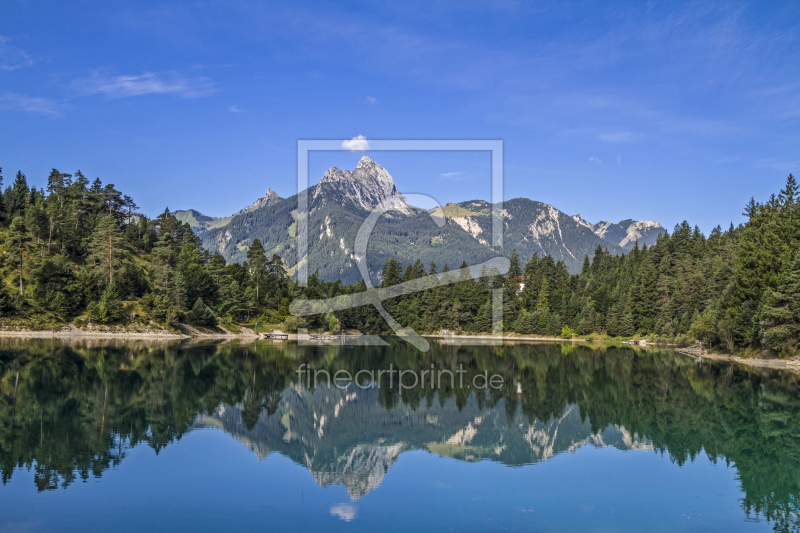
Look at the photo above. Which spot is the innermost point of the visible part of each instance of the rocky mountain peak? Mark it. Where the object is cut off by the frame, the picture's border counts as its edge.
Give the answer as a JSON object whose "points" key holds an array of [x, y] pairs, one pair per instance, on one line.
{"points": [[368, 185], [626, 233], [268, 199], [582, 221]]}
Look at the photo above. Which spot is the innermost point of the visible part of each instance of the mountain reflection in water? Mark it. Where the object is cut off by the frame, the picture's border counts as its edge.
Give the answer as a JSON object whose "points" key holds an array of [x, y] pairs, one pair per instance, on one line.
{"points": [[72, 410], [348, 438]]}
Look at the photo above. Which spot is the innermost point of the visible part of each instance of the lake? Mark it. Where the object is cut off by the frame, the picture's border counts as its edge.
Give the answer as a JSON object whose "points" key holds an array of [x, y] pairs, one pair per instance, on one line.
{"points": [[162, 436]]}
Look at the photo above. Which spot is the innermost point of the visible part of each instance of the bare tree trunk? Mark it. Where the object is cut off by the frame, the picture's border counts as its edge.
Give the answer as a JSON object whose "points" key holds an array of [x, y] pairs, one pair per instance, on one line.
{"points": [[21, 293]]}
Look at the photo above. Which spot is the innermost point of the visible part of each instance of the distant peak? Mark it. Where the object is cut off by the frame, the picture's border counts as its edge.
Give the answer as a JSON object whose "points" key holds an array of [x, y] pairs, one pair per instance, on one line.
{"points": [[368, 184], [582, 221], [365, 162]]}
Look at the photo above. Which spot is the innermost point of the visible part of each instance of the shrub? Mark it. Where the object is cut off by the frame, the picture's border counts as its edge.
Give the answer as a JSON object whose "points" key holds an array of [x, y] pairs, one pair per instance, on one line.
{"points": [[108, 309], [567, 332], [292, 323], [334, 326], [202, 314]]}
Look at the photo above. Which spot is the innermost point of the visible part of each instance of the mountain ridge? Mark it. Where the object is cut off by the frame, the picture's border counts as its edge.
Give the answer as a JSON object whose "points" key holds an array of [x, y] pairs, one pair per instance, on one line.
{"points": [[342, 199]]}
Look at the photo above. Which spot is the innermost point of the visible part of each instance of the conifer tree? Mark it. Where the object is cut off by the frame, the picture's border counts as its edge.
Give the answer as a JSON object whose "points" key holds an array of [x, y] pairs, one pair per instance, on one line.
{"points": [[18, 240], [106, 247], [780, 316], [257, 261]]}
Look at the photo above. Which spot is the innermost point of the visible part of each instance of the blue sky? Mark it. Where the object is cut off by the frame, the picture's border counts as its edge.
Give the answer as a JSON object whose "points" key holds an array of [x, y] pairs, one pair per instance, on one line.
{"points": [[659, 111]]}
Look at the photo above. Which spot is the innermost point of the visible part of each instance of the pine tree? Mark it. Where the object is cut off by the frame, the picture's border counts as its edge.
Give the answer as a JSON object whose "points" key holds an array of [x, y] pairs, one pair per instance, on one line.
{"points": [[391, 273], [543, 301], [18, 240], [257, 260], [780, 316], [107, 245], [2, 203], [18, 196]]}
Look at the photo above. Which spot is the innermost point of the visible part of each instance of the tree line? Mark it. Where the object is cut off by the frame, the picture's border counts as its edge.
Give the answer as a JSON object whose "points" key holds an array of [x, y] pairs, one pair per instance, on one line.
{"points": [[737, 288], [80, 250]]}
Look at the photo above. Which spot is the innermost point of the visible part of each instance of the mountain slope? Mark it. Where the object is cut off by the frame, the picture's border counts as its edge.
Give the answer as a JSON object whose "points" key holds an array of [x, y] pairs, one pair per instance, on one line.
{"points": [[530, 227], [338, 206], [341, 201], [199, 221]]}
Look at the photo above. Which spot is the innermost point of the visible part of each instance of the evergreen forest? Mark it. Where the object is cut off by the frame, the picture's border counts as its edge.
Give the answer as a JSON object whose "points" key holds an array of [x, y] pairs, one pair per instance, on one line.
{"points": [[80, 252]]}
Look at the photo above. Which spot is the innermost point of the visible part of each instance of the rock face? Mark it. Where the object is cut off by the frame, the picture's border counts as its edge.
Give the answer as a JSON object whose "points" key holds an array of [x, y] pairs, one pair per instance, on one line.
{"points": [[625, 233], [268, 199], [341, 201], [368, 185]]}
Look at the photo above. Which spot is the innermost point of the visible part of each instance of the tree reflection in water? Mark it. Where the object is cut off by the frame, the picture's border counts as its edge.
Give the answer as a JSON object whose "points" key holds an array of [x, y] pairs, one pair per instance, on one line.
{"points": [[72, 409]]}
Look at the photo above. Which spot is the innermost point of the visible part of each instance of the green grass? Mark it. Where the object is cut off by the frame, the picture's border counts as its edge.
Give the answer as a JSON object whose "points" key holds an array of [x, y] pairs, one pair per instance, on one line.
{"points": [[262, 328], [206, 223], [455, 210]]}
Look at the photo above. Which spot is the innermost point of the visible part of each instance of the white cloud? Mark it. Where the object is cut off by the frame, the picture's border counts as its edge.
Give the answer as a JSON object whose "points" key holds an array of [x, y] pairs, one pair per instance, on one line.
{"points": [[619, 160], [595, 160], [146, 83], [235, 109], [456, 176], [371, 100], [11, 57], [31, 104], [345, 511], [358, 143], [619, 137]]}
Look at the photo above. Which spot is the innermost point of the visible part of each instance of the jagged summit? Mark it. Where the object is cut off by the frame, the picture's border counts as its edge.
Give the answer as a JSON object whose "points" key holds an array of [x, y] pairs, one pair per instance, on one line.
{"points": [[582, 221], [625, 233], [367, 185], [268, 199], [339, 203]]}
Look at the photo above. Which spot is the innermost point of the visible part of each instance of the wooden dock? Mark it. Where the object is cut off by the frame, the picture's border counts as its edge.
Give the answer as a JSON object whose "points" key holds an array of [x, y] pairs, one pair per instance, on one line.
{"points": [[274, 336]]}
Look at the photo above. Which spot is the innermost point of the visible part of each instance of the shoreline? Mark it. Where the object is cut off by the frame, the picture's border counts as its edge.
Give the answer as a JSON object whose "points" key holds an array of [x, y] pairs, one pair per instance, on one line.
{"points": [[503, 338], [73, 332], [792, 365]]}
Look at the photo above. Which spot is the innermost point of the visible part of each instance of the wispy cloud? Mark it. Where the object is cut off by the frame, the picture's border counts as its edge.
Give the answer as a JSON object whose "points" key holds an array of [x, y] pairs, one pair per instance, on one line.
{"points": [[235, 109], [125, 86], [31, 104], [11, 57], [620, 137], [371, 100], [595, 160], [619, 160], [456, 176], [358, 143]]}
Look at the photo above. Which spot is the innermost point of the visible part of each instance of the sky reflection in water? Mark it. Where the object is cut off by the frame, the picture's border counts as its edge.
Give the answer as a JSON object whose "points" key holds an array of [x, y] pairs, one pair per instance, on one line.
{"points": [[596, 439]]}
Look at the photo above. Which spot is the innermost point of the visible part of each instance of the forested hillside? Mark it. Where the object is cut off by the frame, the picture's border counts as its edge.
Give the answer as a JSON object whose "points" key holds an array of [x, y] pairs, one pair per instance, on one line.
{"points": [[79, 252], [738, 289]]}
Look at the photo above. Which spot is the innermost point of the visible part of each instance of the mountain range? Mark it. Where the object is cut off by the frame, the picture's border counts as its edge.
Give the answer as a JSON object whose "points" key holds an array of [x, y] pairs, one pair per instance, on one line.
{"points": [[349, 438], [341, 201]]}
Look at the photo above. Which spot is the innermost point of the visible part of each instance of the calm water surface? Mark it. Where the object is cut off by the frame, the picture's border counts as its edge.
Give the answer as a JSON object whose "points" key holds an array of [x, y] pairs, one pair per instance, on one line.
{"points": [[131, 436]]}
